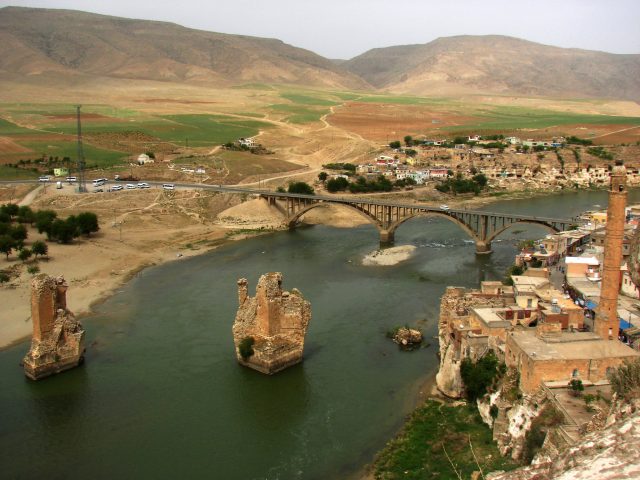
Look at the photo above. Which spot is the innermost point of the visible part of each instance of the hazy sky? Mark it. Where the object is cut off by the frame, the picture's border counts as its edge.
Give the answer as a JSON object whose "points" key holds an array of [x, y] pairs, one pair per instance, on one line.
{"points": [[346, 28]]}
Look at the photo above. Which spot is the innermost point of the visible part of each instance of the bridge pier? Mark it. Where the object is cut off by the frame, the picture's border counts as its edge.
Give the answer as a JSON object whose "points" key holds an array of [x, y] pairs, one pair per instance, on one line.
{"points": [[386, 238], [483, 248]]}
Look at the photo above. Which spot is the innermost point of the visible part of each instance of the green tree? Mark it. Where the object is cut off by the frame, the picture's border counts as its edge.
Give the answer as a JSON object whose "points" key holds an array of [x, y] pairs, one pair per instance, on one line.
{"points": [[337, 184], [479, 376], [11, 209], [87, 223], [480, 179], [408, 140], [576, 387], [300, 187], [26, 215], [6, 245], [39, 248], [24, 254], [322, 176], [395, 144], [44, 220], [18, 233], [63, 231]]}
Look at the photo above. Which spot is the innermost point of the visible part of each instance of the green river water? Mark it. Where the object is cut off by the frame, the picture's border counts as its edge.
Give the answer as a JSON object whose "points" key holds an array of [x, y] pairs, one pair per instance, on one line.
{"points": [[161, 395]]}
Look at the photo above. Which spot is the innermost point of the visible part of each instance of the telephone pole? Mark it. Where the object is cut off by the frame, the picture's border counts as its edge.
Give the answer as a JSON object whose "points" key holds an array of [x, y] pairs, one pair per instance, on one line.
{"points": [[80, 161]]}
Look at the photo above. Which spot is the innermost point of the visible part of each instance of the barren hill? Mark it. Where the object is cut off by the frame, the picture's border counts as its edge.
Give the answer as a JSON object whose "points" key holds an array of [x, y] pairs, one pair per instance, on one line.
{"points": [[498, 64], [65, 43]]}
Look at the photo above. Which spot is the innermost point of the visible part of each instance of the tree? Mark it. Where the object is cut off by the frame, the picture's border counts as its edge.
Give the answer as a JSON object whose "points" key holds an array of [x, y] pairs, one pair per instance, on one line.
{"points": [[24, 254], [6, 245], [480, 179], [322, 176], [479, 376], [26, 215], [300, 187], [87, 223], [408, 140], [39, 248], [44, 219], [576, 387], [395, 144], [337, 184], [18, 233], [11, 209], [63, 230]]}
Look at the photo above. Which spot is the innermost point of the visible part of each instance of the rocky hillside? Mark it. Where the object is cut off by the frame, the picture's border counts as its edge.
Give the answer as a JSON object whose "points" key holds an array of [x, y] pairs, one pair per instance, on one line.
{"points": [[498, 64], [66, 44]]}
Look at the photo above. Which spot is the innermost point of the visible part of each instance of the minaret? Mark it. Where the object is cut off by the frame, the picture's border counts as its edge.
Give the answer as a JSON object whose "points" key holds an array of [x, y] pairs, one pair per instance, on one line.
{"points": [[606, 320]]}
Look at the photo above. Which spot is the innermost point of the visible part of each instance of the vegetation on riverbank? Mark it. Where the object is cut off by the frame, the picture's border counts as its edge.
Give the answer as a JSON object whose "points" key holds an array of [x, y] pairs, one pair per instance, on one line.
{"points": [[441, 441]]}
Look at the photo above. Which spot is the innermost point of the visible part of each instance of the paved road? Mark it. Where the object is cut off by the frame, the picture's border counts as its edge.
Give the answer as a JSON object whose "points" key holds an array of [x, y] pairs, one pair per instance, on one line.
{"points": [[326, 198]]}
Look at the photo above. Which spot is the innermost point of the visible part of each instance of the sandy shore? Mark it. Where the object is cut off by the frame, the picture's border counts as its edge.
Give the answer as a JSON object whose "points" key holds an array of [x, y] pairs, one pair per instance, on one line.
{"points": [[389, 256]]}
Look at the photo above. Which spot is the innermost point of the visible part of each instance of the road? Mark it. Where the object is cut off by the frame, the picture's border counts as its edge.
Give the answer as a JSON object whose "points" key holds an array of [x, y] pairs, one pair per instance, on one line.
{"points": [[322, 198]]}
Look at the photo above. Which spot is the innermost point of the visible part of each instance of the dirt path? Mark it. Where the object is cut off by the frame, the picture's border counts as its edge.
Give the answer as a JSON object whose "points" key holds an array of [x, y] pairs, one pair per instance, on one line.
{"points": [[617, 131], [30, 197]]}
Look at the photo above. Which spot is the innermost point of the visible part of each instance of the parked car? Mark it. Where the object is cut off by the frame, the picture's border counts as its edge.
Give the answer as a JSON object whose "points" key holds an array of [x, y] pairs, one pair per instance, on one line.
{"points": [[131, 186], [143, 185], [168, 186], [44, 178], [444, 207], [72, 179], [116, 188]]}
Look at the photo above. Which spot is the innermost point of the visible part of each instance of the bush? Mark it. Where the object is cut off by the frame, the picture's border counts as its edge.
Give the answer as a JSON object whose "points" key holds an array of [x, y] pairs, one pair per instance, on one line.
{"points": [[337, 184], [33, 269], [301, 188], [39, 248], [625, 380], [576, 387], [245, 348], [24, 254], [479, 376]]}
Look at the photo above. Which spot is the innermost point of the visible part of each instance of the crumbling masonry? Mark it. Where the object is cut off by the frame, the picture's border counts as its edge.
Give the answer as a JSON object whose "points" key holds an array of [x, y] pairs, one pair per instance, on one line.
{"points": [[57, 342], [269, 329]]}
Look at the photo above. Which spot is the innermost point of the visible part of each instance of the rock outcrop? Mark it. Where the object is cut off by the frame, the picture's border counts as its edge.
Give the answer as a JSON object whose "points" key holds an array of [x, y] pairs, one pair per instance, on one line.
{"points": [[612, 453], [269, 328], [407, 337], [57, 342]]}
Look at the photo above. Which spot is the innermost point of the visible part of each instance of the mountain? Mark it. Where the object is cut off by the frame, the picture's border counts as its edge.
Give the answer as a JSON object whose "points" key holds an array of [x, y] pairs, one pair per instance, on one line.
{"points": [[498, 64], [65, 43]]}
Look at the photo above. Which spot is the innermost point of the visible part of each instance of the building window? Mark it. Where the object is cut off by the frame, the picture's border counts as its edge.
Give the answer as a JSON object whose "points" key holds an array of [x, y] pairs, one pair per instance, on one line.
{"points": [[575, 373]]}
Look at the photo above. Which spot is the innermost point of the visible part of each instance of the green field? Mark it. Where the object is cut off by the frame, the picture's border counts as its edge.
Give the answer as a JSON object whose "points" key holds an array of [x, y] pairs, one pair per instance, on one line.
{"points": [[53, 130], [512, 118], [433, 432]]}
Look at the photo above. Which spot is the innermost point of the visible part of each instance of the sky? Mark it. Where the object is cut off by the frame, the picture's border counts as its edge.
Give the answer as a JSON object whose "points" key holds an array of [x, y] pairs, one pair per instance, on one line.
{"points": [[342, 29]]}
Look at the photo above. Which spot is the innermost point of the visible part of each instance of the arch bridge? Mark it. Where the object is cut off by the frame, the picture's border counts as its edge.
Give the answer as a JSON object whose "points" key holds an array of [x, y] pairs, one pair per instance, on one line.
{"points": [[482, 227]]}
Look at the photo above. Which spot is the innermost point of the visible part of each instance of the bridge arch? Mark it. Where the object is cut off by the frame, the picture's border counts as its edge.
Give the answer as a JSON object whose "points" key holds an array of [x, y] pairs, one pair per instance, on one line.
{"points": [[466, 228], [539, 223], [293, 219]]}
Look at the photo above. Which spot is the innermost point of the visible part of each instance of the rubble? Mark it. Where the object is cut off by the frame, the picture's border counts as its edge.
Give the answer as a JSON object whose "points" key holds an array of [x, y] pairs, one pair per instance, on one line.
{"points": [[407, 337], [57, 342], [269, 328]]}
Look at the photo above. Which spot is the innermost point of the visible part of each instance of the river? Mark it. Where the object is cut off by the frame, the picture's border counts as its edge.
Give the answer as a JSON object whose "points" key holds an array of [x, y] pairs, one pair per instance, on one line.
{"points": [[161, 394]]}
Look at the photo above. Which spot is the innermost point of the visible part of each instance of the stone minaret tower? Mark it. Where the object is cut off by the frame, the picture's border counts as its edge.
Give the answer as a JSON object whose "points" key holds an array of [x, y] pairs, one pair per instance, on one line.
{"points": [[606, 321]]}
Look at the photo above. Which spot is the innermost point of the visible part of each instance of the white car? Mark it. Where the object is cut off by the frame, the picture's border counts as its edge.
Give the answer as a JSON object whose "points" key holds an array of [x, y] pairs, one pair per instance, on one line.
{"points": [[71, 179], [143, 185], [168, 186], [131, 186], [116, 188], [44, 178], [444, 207]]}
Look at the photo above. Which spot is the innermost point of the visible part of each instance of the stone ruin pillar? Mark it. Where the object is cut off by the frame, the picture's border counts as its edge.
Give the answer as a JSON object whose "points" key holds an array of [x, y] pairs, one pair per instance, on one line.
{"points": [[269, 328], [57, 343]]}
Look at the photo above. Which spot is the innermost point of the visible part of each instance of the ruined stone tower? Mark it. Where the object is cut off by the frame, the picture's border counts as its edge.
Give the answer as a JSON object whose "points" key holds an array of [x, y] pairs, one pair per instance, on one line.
{"points": [[606, 320], [57, 342], [269, 328]]}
